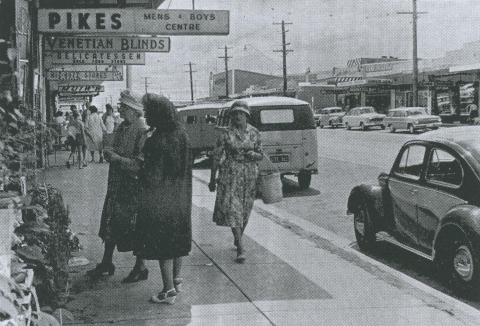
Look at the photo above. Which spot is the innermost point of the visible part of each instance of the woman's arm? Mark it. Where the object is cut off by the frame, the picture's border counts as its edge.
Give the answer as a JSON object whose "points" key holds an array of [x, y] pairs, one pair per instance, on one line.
{"points": [[257, 153], [216, 158]]}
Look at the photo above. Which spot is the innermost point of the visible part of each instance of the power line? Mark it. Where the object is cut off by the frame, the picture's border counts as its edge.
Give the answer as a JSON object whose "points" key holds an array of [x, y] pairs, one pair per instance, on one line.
{"points": [[284, 51], [226, 57], [414, 14], [190, 71]]}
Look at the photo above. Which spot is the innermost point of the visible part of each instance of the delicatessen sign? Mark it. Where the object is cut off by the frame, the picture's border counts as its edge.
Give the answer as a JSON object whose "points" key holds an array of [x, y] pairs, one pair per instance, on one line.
{"points": [[93, 58], [105, 43], [139, 21]]}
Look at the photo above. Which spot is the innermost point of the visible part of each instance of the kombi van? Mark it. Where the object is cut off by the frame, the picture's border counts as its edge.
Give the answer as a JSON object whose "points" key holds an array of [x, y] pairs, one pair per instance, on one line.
{"points": [[288, 134], [199, 121]]}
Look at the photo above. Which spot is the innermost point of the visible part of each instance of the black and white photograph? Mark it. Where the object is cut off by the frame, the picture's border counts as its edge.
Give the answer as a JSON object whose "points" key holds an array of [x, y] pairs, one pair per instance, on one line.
{"points": [[239, 162]]}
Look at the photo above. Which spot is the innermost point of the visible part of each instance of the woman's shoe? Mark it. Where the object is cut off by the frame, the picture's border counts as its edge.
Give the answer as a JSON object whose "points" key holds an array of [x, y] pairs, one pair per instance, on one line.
{"points": [[102, 270], [165, 297], [136, 275], [240, 258], [177, 282]]}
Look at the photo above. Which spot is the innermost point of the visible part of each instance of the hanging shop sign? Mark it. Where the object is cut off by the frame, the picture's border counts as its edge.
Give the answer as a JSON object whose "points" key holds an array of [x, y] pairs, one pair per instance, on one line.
{"points": [[84, 75], [80, 88], [106, 43], [69, 94], [138, 21], [93, 58]]}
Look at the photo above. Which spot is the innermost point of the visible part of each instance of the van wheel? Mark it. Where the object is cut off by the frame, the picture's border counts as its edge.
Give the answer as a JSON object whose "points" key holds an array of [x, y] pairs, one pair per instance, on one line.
{"points": [[304, 179], [347, 126], [411, 129]]}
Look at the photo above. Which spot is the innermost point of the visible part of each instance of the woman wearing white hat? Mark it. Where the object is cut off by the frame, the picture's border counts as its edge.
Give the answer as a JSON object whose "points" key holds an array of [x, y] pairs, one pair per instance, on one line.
{"points": [[120, 207], [236, 158]]}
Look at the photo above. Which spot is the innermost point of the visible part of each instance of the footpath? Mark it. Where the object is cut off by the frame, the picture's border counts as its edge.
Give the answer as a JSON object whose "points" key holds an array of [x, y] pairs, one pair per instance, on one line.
{"points": [[295, 273]]}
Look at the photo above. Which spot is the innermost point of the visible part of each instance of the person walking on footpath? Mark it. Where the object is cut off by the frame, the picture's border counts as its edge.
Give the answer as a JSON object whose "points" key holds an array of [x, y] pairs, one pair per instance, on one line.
{"points": [[109, 122], [164, 227], [236, 158], [75, 138], [119, 213], [95, 128]]}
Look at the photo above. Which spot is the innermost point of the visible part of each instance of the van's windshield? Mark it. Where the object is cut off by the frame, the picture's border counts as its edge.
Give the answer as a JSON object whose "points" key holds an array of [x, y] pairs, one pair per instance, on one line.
{"points": [[273, 118]]}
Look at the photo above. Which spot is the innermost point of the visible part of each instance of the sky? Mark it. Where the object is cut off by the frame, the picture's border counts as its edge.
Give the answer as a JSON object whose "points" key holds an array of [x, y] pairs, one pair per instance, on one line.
{"points": [[323, 34]]}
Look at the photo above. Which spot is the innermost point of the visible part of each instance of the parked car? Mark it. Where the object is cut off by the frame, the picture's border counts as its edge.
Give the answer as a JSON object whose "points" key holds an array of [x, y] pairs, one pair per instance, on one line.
{"points": [[363, 117], [331, 116], [428, 204], [412, 119]]}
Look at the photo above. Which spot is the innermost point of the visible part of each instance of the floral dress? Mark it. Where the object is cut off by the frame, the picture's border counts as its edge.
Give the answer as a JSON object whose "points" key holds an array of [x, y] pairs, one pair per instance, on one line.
{"points": [[237, 176]]}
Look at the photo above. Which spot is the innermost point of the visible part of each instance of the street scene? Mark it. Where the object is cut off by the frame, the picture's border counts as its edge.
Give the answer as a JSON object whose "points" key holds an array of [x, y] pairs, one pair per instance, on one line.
{"points": [[191, 162]]}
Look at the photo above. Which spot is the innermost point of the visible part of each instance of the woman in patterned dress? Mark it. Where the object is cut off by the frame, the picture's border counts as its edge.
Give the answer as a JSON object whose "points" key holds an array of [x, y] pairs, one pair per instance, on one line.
{"points": [[236, 158]]}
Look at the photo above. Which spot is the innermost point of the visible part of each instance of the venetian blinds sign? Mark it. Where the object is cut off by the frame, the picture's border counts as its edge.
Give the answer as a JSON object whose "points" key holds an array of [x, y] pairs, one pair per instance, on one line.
{"points": [[105, 43], [138, 21], [93, 58], [90, 75]]}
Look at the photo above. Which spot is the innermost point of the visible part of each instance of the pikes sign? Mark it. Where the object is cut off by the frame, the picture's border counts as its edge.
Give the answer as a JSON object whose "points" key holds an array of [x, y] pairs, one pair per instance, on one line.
{"points": [[138, 21]]}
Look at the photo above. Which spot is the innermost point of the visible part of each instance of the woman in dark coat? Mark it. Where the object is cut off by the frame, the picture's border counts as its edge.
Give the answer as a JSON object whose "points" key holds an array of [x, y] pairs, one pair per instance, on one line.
{"points": [[164, 230]]}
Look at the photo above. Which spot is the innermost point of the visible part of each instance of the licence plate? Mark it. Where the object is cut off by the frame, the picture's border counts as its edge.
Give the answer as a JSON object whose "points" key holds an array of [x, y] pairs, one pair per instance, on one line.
{"points": [[279, 158]]}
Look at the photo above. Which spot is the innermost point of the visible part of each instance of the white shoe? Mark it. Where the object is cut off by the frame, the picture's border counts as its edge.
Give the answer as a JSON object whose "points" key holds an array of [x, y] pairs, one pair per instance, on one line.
{"points": [[165, 297]]}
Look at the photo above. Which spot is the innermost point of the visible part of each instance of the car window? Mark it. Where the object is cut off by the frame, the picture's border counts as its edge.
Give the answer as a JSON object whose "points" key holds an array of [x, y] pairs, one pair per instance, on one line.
{"points": [[191, 119], [210, 119], [276, 116], [411, 162], [416, 112], [444, 168]]}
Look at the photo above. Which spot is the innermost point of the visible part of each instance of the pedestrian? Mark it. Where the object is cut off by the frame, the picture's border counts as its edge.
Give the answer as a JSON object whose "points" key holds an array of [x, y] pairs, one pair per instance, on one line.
{"points": [[95, 128], [236, 158], [164, 230], [84, 116], [75, 138], [119, 213], [109, 122]]}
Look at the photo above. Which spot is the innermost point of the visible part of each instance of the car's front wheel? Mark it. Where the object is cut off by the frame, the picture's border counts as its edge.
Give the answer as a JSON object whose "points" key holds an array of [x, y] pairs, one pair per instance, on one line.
{"points": [[347, 126], [391, 128], [364, 228], [363, 127], [460, 265]]}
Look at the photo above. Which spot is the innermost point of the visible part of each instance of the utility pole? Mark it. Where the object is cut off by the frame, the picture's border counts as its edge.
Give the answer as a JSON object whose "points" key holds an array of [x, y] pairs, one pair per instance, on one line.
{"points": [[190, 71], [146, 85], [226, 57], [414, 14], [193, 4], [284, 51]]}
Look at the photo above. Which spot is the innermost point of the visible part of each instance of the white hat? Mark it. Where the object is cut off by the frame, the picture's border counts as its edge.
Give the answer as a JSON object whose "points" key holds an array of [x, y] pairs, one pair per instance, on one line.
{"points": [[131, 99]]}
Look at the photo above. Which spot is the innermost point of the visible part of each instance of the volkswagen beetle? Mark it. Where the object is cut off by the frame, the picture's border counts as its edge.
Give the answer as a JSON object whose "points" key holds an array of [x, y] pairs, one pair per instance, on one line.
{"points": [[429, 204]]}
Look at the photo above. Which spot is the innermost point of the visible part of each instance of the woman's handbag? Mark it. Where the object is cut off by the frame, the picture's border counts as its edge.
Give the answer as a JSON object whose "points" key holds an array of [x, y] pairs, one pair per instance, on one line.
{"points": [[270, 183]]}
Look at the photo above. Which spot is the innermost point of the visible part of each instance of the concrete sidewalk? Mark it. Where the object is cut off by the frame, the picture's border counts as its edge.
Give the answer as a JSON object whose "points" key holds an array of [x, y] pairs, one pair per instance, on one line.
{"points": [[293, 274]]}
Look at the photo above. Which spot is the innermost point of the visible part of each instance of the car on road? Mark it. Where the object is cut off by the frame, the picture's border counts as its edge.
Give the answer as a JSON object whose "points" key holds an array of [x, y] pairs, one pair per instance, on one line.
{"points": [[363, 117], [331, 116], [429, 204], [411, 119]]}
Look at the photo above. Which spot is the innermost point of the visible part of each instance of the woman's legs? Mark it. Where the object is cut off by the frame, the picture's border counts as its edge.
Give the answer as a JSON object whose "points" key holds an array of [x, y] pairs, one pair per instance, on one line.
{"points": [[106, 266], [177, 268], [237, 231], [92, 154], [108, 253], [166, 268]]}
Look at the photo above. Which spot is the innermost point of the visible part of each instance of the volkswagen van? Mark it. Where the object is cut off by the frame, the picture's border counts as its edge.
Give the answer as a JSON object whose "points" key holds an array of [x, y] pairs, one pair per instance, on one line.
{"points": [[199, 121], [288, 134]]}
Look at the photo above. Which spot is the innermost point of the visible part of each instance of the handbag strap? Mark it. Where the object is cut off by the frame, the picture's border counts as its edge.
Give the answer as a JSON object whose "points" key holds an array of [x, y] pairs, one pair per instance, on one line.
{"points": [[272, 166]]}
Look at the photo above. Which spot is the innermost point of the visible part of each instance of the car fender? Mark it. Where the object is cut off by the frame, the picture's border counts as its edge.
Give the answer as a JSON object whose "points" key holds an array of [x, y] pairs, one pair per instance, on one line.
{"points": [[372, 194], [466, 219]]}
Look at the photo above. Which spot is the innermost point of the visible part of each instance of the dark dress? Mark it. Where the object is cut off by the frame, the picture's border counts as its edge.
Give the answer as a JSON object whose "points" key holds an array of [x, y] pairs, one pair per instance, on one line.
{"points": [[120, 207], [164, 228]]}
